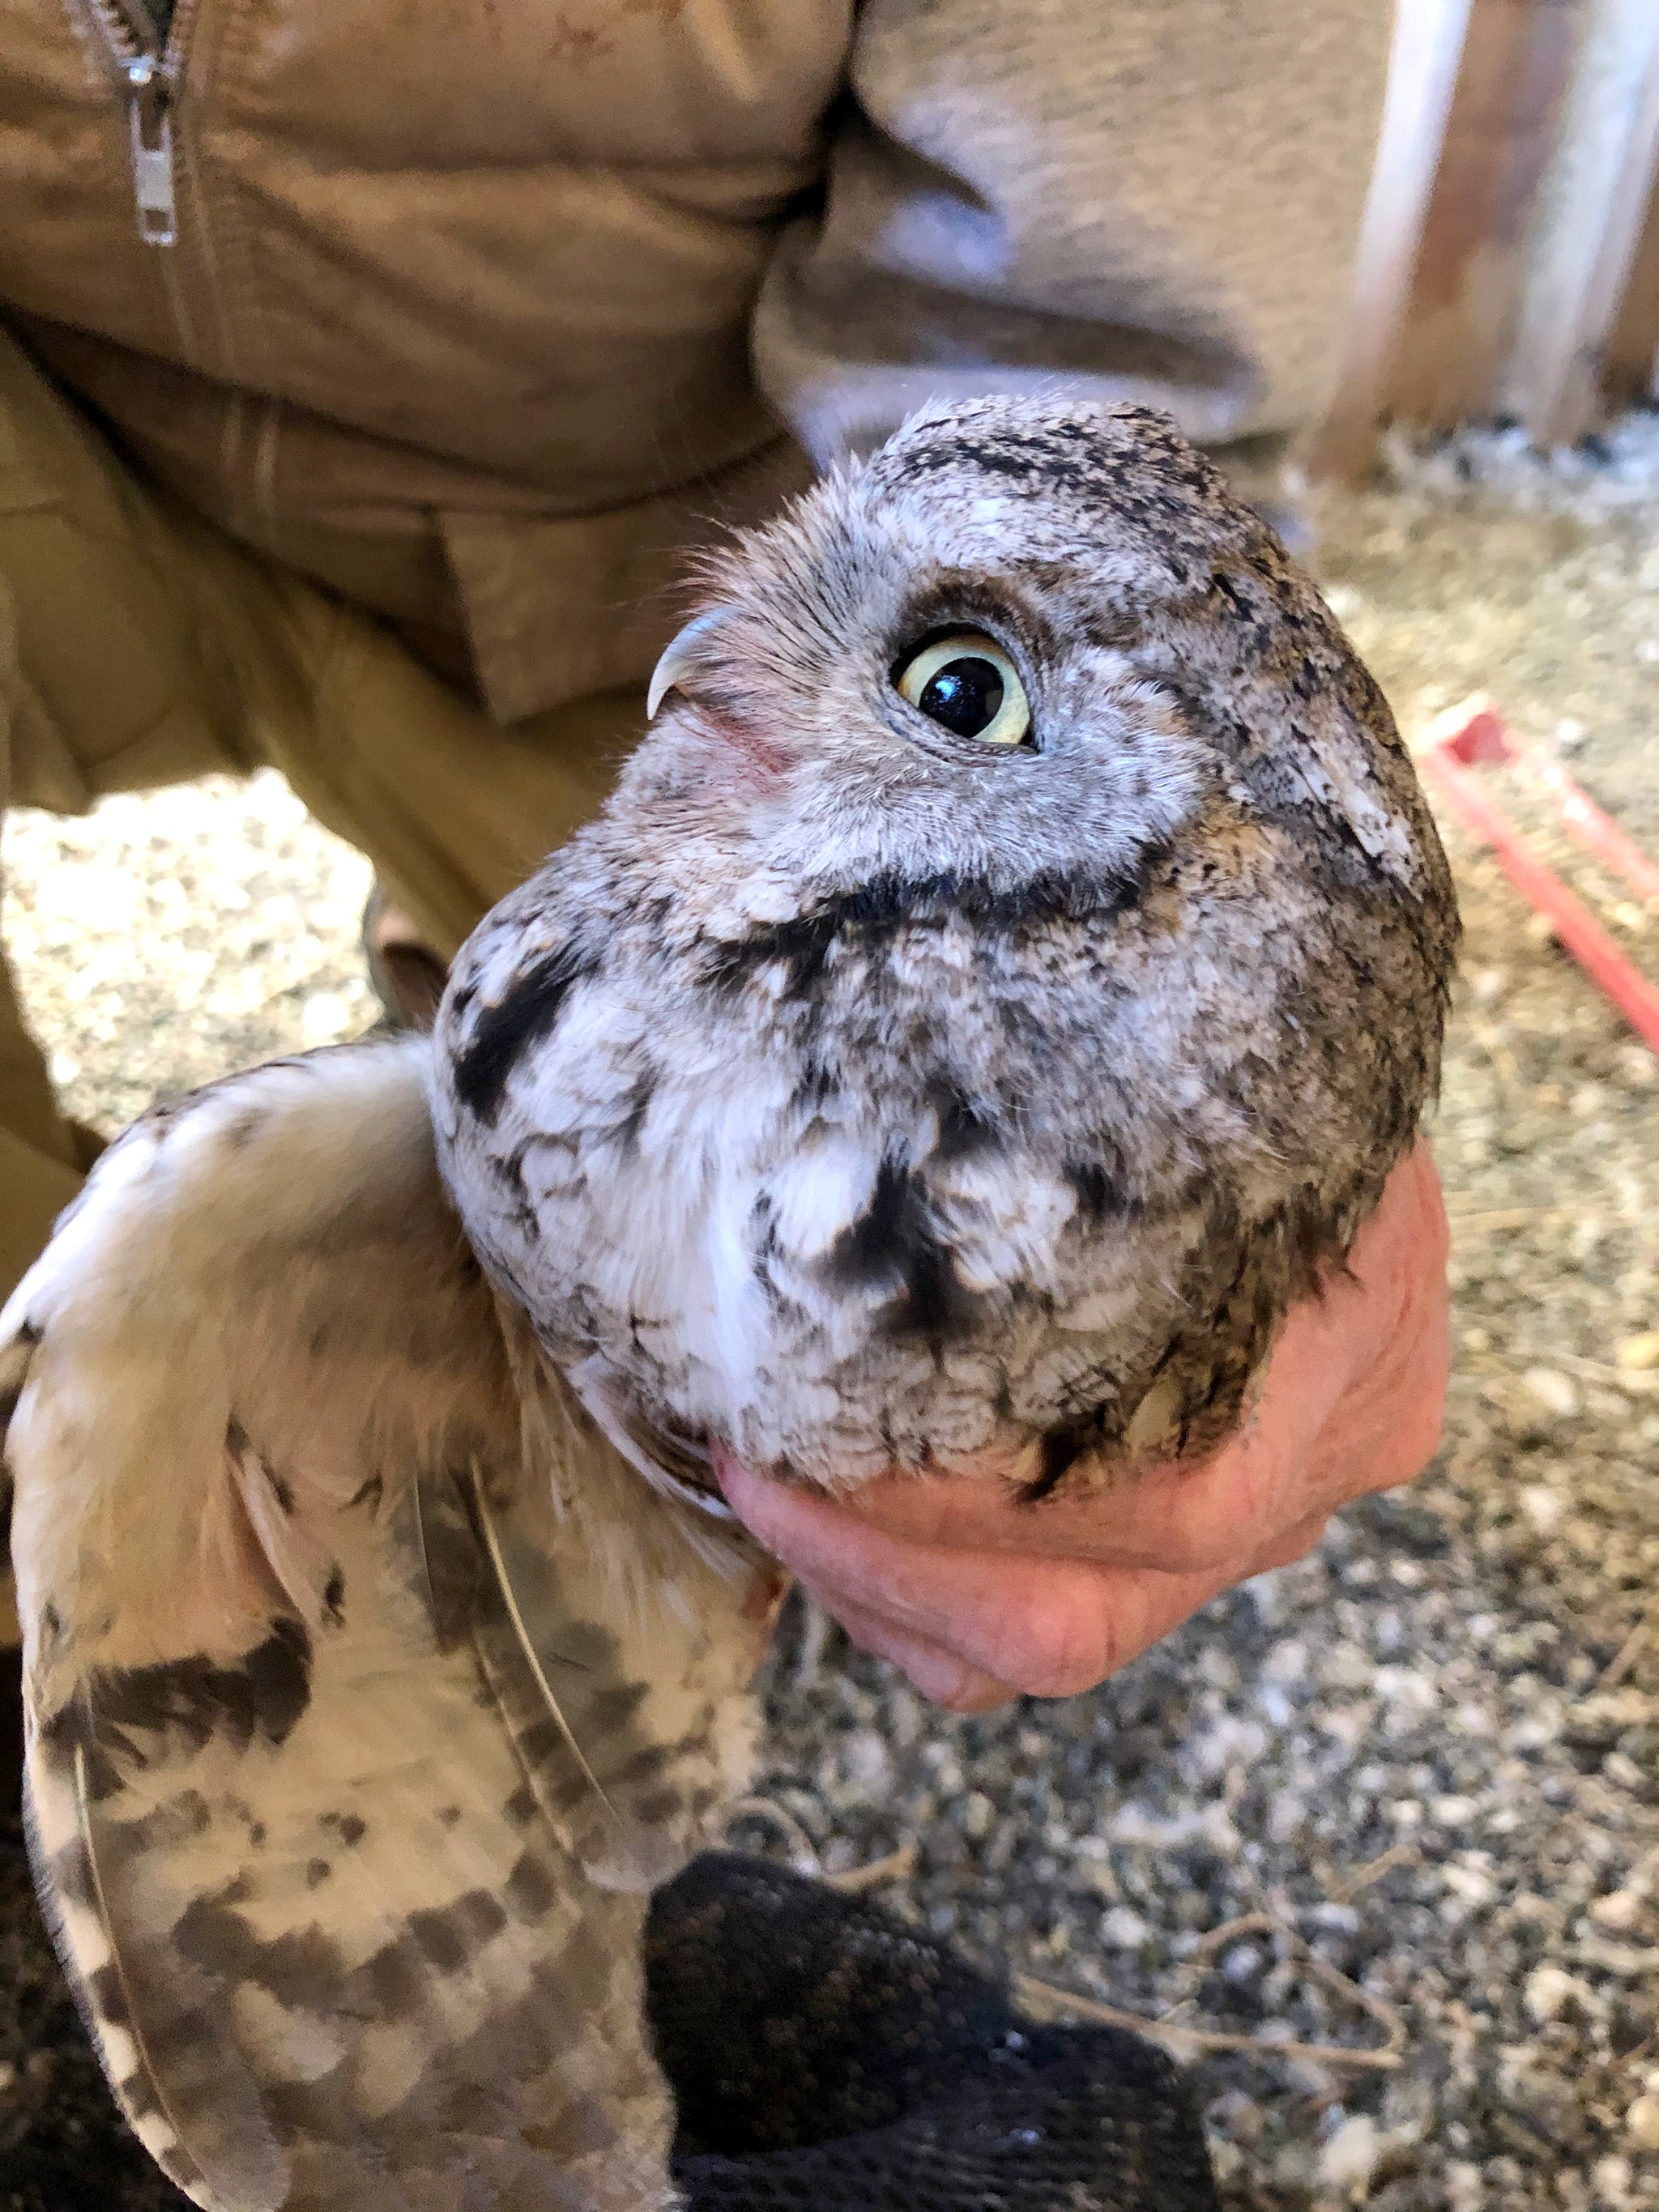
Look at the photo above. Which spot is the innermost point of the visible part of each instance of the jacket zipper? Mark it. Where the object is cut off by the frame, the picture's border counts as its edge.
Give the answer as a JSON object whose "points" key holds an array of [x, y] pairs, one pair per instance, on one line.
{"points": [[148, 71]]}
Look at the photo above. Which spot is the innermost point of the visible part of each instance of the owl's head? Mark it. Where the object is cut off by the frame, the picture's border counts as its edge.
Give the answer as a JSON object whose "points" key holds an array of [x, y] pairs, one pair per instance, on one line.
{"points": [[1001, 981], [1024, 641]]}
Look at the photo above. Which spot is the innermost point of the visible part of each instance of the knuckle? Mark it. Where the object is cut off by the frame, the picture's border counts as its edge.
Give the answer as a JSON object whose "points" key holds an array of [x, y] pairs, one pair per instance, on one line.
{"points": [[1070, 1651], [1201, 1539], [1412, 1443], [977, 1697], [1295, 1544]]}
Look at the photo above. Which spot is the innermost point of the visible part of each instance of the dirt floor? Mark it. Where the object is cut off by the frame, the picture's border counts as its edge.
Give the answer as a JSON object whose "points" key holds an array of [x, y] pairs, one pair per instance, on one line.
{"points": [[1400, 1802]]}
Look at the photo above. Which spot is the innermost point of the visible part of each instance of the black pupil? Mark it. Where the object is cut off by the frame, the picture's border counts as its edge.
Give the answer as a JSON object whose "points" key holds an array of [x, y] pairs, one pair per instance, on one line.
{"points": [[965, 695]]}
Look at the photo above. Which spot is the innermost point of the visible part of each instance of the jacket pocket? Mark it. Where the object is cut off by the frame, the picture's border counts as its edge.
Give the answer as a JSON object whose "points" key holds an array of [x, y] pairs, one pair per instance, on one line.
{"points": [[558, 607]]}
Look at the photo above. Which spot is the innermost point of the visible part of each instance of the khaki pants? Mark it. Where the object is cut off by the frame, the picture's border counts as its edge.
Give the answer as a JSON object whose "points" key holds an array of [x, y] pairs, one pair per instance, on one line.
{"points": [[137, 647]]}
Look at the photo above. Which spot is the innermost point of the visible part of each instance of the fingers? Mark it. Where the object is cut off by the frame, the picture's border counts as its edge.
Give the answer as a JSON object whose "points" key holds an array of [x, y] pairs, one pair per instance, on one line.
{"points": [[1071, 1642], [1180, 1519], [962, 1602], [1183, 1518], [939, 1673], [1284, 1549], [1046, 1628], [1043, 1634]]}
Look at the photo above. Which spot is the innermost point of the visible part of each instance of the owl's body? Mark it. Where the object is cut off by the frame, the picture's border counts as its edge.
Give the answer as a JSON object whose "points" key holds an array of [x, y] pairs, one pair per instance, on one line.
{"points": [[852, 1092]]}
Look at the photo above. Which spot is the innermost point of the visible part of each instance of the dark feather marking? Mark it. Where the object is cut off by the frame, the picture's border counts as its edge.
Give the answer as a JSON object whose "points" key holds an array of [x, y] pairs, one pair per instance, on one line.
{"points": [[1150, 485], [368, 1494], [682, 1456], [137, 2095], [107, 1996], [177, 1822], [240, 1133], [346, 1825], [587, 1644], [1060, 1449], [1069, 456], [264, 1693], [396, 1980], [240, 1446], [334, 1597], [616, 1707], [73, 1879], [892, 1244], [965, 1124], [303, 1967], [1100, 1190], [661, 1807], [182, 2042], [586, 2129], [528, 1012], [544, 1744], [816, 1085], [639, 1105], [530, 1890], [650, 1759], [450, 1935], [317, 1872], [872, 916]]}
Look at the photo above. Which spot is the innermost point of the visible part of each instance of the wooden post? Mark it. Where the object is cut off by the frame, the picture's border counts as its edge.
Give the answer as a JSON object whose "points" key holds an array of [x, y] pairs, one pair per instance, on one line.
{"points": [[1587, 222], [1632, 361], [1466, 296], [1423, 64]]}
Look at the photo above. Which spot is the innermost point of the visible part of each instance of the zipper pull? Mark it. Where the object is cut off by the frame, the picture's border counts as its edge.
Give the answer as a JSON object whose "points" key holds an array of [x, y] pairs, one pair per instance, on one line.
{"points": [[150, 128]]}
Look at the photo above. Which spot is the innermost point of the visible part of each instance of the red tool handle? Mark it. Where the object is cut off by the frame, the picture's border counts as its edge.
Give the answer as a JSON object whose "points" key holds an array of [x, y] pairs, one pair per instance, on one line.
{"points": [[1598, 833], [1577, 928]]}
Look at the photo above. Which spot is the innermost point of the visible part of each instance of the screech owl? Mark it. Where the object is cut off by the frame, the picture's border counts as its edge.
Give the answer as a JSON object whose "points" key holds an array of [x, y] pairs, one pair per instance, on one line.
{"points": [[1000, 983], [998, 988]]}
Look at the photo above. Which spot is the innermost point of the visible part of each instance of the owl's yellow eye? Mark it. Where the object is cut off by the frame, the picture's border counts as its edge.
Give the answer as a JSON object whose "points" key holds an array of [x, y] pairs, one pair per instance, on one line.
{"points": [[967, 684]]}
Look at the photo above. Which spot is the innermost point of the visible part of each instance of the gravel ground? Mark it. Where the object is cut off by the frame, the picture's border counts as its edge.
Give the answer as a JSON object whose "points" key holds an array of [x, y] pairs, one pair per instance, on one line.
{"points": [[166, 938], [1402, 1798]]}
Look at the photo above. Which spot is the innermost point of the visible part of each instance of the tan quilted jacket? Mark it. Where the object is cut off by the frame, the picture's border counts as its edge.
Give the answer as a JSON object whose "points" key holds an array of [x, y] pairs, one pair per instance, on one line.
{"points": [[477, 310]]}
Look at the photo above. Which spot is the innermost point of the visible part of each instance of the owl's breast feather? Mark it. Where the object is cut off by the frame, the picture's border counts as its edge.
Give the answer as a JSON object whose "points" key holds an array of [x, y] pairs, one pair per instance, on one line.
{"points": [[831, 1206]]}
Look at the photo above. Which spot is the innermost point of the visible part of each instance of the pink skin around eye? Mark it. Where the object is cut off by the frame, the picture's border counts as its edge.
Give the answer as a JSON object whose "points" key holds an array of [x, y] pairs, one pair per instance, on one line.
{"points": [[720, 735]]}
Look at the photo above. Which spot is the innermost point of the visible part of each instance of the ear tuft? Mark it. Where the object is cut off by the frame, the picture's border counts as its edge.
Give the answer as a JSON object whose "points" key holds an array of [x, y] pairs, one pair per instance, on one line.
{"points": [[687, 650]]}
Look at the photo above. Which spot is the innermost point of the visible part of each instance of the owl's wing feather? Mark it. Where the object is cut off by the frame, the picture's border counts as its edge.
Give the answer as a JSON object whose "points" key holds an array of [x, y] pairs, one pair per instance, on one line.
{"points": [[310, 1810]]}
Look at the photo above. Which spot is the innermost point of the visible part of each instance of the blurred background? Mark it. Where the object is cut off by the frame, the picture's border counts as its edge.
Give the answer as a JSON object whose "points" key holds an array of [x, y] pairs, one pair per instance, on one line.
{"points": [[1396, 1807], [1510, 263]]}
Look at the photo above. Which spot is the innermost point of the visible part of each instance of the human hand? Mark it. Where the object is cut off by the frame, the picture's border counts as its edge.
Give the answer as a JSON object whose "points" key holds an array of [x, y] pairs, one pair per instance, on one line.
{"points": [[980, 1598]]}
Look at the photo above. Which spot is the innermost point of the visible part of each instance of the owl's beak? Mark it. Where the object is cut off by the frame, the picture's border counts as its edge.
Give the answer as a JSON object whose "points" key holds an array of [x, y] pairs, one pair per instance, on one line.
{"points": [[685, 651]]}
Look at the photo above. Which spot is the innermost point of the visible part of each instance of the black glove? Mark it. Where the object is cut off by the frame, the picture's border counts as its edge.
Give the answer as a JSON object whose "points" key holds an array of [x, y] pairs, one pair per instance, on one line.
{"points": [[822, 2054]]}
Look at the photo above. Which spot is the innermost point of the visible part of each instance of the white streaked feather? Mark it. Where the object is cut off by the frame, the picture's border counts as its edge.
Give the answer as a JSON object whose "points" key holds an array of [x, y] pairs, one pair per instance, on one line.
{"points": [[479, 1499]]}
